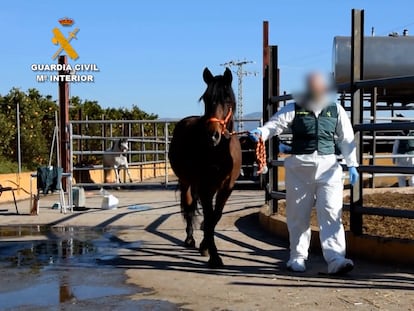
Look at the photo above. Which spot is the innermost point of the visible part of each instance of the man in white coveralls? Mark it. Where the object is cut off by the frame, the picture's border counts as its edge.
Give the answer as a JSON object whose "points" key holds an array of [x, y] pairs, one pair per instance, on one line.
{"points": [[313, 174]]}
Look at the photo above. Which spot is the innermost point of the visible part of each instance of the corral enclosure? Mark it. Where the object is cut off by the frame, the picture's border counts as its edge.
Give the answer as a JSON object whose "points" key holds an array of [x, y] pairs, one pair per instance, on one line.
{"points": [[373, 84], [147, 155]]}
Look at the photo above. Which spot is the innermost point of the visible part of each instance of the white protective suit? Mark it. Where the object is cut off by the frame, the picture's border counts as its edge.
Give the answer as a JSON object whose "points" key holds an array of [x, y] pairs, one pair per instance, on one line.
{"points": [[403, 161], [315, 180]]}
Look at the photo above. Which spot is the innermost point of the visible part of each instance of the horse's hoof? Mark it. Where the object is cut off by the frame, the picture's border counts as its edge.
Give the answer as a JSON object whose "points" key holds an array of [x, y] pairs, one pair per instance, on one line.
{"points": [[203, 249], [204, 252], [215, 262], [189, 243]]}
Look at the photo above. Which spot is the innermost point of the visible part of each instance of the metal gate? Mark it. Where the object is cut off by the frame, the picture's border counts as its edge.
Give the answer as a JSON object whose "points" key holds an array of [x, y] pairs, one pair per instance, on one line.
{"points": [[148, 142], [147, 156]]}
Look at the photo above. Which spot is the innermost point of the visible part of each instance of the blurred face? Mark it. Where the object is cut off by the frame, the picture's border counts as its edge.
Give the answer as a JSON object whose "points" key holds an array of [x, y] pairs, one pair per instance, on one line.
{"points": [[316, 87]]}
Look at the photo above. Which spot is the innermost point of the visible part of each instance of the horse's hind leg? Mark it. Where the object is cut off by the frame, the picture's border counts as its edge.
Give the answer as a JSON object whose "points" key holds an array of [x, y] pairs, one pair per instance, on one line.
{"points": [[188, 208], [117, 178], [128, 173]]}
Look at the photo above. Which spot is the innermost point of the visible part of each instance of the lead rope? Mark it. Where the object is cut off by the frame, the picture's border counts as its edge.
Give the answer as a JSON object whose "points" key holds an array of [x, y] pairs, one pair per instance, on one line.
{"points": [[261, 156]]}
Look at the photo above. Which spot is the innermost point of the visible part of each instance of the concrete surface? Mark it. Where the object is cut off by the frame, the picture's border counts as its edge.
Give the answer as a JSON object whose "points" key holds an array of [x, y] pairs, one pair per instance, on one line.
{"points": [[254, 276]]}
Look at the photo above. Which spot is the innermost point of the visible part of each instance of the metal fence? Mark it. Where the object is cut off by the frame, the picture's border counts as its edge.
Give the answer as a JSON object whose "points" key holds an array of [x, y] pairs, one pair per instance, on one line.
{"points": [[148, 142], [358, 97], [147, 156]]}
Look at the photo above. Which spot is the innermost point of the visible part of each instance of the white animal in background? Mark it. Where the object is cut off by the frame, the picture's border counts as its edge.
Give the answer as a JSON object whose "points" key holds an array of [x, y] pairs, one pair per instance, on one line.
{"points": [[114, 158]]}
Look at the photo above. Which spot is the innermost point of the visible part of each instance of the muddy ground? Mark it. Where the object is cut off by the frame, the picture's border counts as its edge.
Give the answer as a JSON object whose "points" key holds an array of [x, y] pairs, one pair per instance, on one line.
{"points": [[379, 225], [135, 259]]}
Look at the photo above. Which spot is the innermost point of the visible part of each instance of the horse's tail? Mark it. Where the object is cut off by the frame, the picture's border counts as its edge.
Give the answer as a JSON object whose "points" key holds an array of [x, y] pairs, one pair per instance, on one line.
{"points": [[188, 209]]}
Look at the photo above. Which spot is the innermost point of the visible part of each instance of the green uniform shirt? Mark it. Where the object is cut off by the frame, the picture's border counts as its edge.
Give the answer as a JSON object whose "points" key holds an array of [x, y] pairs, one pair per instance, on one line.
{"points": [[311, 133]]}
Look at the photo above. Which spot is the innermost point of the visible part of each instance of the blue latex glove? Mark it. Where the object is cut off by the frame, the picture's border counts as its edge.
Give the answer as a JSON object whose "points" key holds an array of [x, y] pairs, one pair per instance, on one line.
{"points": [[255, 135], [353, 175], [286, 149]]}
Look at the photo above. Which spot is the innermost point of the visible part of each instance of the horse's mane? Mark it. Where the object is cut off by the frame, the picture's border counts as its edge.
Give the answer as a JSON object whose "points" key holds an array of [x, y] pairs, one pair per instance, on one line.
{"points": [[218, 92]]}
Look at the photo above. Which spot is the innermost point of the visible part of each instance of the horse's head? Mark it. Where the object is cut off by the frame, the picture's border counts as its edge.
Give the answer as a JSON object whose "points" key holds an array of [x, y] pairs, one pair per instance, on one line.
{"points": [[123, 145], [219, 105]]}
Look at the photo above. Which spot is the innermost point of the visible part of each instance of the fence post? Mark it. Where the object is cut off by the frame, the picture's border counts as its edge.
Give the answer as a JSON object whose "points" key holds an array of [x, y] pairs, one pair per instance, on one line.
{"points": [[103, 131], [265, 116], [166, 148], [142, 153], [357, 66], [373, 133], [273, 90], [64, 119], [155, 147]]}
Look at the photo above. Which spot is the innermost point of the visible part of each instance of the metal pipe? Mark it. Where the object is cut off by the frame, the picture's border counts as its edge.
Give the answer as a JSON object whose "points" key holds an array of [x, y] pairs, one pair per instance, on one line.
{"points": [[383, 211], [19, 150], [166, 148], [395, 126], [280, 98], [392, 137], [386, 169]]}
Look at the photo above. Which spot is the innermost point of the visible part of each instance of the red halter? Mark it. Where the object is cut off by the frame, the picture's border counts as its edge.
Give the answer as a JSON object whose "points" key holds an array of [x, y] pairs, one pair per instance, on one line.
{"points": [[260, 146], [224, 122]]}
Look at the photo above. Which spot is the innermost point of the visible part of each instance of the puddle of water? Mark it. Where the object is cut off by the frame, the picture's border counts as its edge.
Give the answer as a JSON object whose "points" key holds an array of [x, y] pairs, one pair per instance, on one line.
{"points": [[53, 293], [50, 246], [59, 265], [139, 207], [48, 268], [22, 231]]}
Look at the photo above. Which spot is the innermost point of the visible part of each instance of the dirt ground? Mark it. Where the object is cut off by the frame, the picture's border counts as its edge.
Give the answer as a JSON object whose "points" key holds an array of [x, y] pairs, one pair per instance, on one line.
{"points": [[379, 225], [150, 255]]}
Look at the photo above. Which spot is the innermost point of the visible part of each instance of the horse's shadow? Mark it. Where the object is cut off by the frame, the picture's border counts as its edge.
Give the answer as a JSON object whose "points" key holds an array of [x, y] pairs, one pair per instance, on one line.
{"points": [[254, 262]]}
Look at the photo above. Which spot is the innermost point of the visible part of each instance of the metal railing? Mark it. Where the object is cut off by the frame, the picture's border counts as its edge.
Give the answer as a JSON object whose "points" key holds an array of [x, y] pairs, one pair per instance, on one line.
{"points": [[147, 156], [148, 142], [357, 94]]}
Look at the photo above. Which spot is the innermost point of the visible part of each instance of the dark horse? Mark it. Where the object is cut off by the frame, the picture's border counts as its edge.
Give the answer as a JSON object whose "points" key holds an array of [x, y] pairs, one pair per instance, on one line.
{"points": [[206, 158]]}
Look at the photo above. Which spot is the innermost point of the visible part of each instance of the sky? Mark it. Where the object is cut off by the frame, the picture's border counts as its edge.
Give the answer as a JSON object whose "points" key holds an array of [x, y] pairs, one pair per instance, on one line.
{"points": [[152, 53]]}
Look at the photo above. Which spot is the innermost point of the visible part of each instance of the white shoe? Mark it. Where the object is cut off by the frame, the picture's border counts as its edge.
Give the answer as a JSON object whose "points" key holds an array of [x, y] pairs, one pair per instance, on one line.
{"points": [[340, 266], [296, 265]]}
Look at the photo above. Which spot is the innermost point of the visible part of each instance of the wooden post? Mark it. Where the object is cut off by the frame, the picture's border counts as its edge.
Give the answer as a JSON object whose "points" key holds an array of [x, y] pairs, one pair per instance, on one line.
{"points": [[265, 178], [357, 103], [272, 144], [265, 46], [64, 118]]}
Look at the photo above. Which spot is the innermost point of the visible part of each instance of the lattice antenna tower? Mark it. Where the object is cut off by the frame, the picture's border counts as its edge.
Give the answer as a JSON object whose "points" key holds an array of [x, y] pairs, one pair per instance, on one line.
{"points": [[240, 74]]}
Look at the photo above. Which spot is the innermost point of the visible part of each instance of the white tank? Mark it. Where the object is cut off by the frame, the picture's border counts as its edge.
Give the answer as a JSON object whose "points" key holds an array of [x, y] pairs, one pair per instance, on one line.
{"points": [[383, 57]]}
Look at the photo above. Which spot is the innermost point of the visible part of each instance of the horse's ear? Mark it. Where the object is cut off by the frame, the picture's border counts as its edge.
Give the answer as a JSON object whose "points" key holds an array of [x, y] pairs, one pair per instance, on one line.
{"points": [[207, 76], [228, 76]]}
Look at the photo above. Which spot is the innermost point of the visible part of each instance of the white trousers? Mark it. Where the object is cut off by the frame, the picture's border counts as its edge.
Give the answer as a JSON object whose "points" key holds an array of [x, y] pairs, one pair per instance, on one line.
{"points": [[409, 161], [315, 180]]}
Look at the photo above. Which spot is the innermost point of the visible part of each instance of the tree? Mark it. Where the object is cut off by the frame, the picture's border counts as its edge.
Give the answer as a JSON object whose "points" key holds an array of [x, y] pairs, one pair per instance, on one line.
{"points": [[37, 124]]}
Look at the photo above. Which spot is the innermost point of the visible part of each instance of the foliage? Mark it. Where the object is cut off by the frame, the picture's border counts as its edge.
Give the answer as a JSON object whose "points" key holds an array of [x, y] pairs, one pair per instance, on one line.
{"points": [[37, 123], [7, 166]]}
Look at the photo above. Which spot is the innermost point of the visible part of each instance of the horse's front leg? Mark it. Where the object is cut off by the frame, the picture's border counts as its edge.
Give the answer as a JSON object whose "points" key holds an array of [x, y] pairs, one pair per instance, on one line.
{"points": [[117, 178], [208, 243]]}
